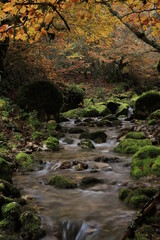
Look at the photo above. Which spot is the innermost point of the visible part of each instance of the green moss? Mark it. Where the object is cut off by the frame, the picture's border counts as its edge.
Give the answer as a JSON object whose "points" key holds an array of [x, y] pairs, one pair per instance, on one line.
{"points": [[89, 181], [123, 193], [24, 160], [52, 143], [136, 135], [37, 135], [131, 146], [11, 211], [136, 198], [155, 114], [7, 225], [33, 121], [9, 237], [51, 127], [9, 190], [5, 171], [152, 122], [122, 109], [146, 162], [62, 182], [31, 226], [74, 113]]}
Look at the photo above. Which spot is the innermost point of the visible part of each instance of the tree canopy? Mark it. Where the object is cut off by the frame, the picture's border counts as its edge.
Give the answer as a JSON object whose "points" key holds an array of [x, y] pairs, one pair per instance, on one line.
{"points": [[30, 20]]}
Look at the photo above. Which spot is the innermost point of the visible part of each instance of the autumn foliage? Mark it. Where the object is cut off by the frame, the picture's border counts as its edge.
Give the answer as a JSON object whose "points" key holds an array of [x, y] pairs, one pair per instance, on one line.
{"points": [[30, 20]]}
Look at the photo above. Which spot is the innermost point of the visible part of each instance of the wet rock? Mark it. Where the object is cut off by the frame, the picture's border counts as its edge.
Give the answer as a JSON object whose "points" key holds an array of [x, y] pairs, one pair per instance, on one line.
{"points": [[104, 122], [107, 159], [68, 140], [101, 166], [79, 166], [5, 170], [8, 189], [75, 130], [65, 165], [31, 226], [86, 144], [90, 181], [98, 136], [62, 182], [63, 119]]}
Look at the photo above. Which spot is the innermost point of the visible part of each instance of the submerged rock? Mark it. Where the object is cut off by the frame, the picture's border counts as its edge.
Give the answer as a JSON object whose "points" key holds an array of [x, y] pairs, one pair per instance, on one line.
{"points": [[90, 181]]}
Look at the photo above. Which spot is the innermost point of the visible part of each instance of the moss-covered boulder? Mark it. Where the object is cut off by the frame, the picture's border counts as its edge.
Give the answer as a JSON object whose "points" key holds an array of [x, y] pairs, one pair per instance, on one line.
{"points": [[24, 160], [146, 162], [31, 226], [136, 135], [11, 211], [146, 104], [86, 144], [42, 96], [98, 136], [136, 198], [5, 171], [73, 96], [37, 135], [52, 143], [8, 189], [113, 106], [62, 182], [122, 110], [89, 181], [131, 146]]}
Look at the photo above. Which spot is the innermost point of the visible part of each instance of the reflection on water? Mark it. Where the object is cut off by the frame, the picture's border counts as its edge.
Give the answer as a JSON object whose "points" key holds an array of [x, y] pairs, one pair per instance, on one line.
{"points": [[91, 214]]}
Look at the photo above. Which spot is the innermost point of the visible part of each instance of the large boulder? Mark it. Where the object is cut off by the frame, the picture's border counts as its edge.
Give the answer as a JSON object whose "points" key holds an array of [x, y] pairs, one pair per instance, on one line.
{"points": [[146, 162], [42, 96], [146, 104]]}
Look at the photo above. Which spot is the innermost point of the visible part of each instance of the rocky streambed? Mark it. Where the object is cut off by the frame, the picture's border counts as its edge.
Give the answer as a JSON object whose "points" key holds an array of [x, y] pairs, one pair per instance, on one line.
{"points": [[91, 211]]}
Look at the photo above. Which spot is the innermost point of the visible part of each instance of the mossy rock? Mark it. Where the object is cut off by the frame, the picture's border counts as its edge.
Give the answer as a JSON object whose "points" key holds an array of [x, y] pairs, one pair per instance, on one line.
{"points": [[155, 115], [62, 182], [122, 110], [113, 106], [152, 122], [89, 181], [86, 144], [146, 162], [131, 146], [98, 136], [31, 226], [136, 135], [5, 170], [37, 135], [75, 130], [42, 96], [146, 104], [11, 211], [52, 143], [73, 96], [8, 189], [24, 160], [7, 226], [136, 198]]}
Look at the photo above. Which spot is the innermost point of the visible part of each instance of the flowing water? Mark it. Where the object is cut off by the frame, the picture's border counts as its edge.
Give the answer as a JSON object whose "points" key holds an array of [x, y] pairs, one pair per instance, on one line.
{"points": [[94, 213]]}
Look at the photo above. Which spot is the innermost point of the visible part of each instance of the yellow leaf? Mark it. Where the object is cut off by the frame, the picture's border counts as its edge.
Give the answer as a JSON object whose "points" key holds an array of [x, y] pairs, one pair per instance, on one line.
{"points": [[44, 32], [37, 37], [23, 9], [7, 7], [48, 18]]}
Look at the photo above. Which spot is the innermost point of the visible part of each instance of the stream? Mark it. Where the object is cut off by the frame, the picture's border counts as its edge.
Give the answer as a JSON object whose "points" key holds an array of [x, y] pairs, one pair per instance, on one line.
{"points": [[94, 213]]}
